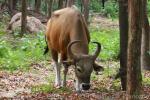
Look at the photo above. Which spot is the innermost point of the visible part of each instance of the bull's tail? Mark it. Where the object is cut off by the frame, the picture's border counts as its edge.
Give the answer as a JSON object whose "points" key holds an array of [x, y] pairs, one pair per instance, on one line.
{"points": [[46, 50], [46, 47]]}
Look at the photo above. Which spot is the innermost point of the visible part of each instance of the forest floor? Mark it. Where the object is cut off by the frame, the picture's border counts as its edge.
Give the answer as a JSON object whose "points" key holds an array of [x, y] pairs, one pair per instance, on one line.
{"points": [[37, 82], [101, 22]]}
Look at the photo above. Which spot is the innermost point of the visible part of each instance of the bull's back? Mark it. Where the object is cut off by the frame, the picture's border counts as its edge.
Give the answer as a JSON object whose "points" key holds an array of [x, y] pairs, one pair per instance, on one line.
{"points": [[60, 28]]}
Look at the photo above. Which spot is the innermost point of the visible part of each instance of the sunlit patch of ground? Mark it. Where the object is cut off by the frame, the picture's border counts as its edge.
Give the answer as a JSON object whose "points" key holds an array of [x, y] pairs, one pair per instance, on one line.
{"points": [[104, 23]]}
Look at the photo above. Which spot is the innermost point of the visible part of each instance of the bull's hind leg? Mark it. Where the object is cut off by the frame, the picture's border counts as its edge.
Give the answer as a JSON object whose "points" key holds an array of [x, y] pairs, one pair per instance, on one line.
{"points": [[57, 68]]}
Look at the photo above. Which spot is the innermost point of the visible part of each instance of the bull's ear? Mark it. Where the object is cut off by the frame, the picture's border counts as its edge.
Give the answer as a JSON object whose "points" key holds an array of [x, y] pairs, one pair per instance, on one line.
{"points": [[97, 67], [69, 62]]}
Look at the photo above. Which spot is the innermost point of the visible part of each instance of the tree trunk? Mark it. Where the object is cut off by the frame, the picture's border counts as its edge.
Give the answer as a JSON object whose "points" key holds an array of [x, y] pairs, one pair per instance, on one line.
{"points": [[103, 3], [86, 10], [37, 5], [3, 4], [14, 4], [60, 4], [145, 57], [123, 26], [50, 2], [134, 77], [81, 5], [23, 19], [10, 2], [70, 3]]}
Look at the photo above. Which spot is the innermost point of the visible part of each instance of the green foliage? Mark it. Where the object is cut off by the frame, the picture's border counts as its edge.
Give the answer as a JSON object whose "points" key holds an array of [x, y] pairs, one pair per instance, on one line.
{"points": [[4, 17], [146, 80], [145, 77], [3, 49], [95, 5], [109, 40], [1, 32], [116, 85], [19, 53], [111, 9], [49, 88]]}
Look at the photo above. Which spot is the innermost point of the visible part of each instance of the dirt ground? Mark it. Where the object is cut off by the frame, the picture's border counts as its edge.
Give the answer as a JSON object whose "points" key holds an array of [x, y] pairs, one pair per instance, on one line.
{"points": [[103, 23], [18, 85]]}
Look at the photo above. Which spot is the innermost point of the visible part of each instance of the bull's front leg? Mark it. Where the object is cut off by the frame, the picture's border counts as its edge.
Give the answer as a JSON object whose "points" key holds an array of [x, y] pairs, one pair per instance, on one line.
{"points": [[65, 74], [77, 85], [65, 65]]}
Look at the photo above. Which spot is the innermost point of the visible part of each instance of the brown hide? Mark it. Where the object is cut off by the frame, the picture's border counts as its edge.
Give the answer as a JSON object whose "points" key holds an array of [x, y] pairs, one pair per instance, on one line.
{"points": [[67, 25], [68, 35]]}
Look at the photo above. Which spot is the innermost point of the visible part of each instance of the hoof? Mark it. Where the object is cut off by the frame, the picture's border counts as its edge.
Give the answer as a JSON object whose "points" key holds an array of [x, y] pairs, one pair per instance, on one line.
{"points": [[57, 86], [78, 92], [63, 84]]}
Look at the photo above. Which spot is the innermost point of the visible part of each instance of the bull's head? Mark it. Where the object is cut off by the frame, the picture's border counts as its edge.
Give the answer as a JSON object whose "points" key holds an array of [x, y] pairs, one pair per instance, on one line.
{"points": [[83, 66]]}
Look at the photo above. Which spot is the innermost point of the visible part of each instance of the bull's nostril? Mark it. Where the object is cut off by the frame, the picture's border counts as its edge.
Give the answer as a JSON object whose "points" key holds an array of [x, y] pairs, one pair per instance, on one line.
{"points": [[85, 86]]}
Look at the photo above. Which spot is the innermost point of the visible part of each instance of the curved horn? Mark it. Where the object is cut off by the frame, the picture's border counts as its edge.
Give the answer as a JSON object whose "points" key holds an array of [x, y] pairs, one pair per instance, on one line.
{"points": [[97, 50], [69, 49]]}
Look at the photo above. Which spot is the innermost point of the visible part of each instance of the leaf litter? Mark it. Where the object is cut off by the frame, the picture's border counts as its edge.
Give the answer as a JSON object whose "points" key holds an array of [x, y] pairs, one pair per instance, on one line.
{"points": [[18, 85]]}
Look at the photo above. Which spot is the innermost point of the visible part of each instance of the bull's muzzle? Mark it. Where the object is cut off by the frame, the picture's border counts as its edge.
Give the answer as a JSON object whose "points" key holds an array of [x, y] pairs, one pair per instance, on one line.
{"points": [[85, 86]]}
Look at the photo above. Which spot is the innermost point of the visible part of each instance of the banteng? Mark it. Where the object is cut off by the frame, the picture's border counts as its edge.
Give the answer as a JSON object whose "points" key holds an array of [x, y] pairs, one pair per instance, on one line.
{"points": [[68, 35]]}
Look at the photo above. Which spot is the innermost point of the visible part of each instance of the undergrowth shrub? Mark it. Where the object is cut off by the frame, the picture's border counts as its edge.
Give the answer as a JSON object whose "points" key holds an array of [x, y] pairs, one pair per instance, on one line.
{"points": [[109, 40], [111, 9], [19, 53]]}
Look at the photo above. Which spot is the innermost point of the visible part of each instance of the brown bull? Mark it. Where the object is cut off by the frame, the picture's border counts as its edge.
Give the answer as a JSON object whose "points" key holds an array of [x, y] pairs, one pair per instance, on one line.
{"points": [[68, 35]]}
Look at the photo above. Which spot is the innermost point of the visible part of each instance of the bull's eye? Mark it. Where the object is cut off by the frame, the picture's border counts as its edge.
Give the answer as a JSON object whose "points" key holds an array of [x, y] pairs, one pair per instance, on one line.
{"points": [[79, 70]]}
